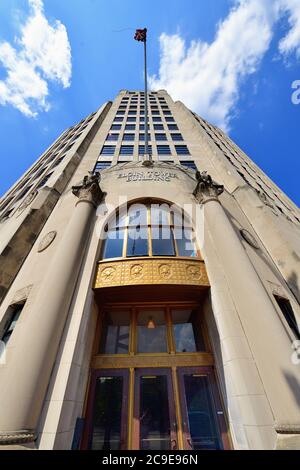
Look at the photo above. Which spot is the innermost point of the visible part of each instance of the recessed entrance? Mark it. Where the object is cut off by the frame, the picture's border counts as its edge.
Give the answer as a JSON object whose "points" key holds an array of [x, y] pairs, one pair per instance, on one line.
{"points": [[153, 384]]}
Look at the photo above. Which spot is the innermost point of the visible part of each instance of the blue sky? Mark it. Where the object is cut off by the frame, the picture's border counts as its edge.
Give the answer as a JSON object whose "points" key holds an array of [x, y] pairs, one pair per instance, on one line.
{"points": [[233, 62]]}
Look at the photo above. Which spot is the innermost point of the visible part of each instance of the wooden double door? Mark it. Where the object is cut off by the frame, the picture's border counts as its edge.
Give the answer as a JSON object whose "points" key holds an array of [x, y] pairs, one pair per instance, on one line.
{"points": [[155, 409]]}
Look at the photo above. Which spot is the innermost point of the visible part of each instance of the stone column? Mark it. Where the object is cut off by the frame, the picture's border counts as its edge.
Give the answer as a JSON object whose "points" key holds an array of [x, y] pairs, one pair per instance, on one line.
{"points": [[261, 372], [26, 375]]}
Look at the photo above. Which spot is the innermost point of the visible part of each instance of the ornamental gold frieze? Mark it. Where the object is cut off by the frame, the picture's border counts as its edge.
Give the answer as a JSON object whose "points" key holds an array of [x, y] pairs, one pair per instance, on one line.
{"points": [[151, 271], [160, 360]]}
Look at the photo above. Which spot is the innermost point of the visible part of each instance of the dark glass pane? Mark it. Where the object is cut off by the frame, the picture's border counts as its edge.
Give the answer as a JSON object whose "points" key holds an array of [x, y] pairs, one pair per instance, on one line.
{"points": [[113, 247], [151, 332], [137, 242], [115, 333], [160, 214], [184, 242], [202, 425], [187, 330], [154, 413], [107, 414], [289, 315], [162, 241], [137, 215]]}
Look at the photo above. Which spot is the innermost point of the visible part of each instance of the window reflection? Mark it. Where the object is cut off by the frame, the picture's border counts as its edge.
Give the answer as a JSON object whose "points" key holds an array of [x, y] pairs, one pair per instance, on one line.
{"points": [[185, 243], [137, 242], [113, 247], [187, 331], [128, 233], [202, 424], [154, 413], [106, 433], [162, 241], [151, 332], [115, 333]]}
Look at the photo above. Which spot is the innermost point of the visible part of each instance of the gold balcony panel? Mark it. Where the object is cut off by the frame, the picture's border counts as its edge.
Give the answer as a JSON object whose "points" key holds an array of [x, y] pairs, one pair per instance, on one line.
{"points": [[151, 271]]}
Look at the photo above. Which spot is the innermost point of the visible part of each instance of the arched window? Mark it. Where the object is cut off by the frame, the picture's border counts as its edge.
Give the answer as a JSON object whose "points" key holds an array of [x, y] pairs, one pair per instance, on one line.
{"points": [[150, 229]]}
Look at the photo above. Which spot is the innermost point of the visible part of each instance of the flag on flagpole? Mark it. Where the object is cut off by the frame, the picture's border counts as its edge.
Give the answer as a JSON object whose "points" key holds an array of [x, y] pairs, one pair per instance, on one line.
{"points": [[141, 35]]}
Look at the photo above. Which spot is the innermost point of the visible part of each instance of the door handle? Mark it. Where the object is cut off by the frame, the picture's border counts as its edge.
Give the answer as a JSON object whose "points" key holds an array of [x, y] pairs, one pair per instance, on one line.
{"points": [[173, 444]]}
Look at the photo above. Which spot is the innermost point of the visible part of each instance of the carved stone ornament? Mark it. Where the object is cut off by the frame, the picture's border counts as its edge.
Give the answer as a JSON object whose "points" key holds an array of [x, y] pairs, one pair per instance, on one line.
{"points": [[46, 241], [248, 237], [18, 437], [89, 190], [206, 188], [31, 196]]}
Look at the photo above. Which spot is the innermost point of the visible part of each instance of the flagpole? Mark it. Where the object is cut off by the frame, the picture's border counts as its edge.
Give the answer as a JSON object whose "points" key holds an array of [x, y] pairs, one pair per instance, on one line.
{"points": [[146, 103]]}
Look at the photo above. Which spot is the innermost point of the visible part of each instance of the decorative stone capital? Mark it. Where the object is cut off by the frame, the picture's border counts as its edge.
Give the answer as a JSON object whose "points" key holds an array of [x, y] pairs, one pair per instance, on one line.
{"points": [[206, 189], [89, 190], [17, 437]]}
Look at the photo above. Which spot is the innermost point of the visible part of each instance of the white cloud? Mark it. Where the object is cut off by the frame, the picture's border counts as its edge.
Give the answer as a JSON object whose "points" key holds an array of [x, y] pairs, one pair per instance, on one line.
{"points": [[291, 42], [207, 77], [42, 53]]}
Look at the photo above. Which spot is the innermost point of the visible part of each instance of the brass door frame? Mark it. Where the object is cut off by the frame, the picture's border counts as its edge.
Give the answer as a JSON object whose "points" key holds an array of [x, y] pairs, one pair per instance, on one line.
{"points": [[133, 361], [171, 402]]}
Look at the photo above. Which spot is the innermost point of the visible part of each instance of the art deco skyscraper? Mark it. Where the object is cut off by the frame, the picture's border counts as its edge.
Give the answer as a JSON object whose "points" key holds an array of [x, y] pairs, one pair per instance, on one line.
{"points": [[152, 305]]}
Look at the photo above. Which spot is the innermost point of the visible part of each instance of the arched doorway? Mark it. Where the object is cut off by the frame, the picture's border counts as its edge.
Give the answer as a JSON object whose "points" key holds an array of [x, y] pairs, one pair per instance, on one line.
{"points": [[153, 383]]}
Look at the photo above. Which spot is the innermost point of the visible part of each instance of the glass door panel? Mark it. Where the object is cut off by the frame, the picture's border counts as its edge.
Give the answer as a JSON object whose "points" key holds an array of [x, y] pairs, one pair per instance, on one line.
{"points": [[154, 414], [203, 420], [107, 411]]}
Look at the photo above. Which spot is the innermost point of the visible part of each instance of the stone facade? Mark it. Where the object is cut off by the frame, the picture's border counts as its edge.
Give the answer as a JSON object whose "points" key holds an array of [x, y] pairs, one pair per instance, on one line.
{"points": [[249, 233]]}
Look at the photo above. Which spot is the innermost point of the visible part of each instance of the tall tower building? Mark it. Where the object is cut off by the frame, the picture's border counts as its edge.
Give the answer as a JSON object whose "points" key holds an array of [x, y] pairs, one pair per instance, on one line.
{"points": [[148, 303]]}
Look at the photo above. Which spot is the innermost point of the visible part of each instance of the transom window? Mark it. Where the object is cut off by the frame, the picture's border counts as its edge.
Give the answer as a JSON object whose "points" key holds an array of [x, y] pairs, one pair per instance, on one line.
{"points": [[153, 330], [152, 229]]}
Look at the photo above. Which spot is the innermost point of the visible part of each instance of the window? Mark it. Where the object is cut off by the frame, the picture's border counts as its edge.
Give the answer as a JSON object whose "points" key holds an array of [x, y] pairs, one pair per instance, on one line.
{"points": [[169, 119], [149, 230], [58, 162], [153, 331], [131, 113], [120, 112], [167, 112], [44, 180], [163, 150], [177, 137], [101, 166], [130, 127], [131, 119], [128, 137], [154, 111], [187, 330], [126, 150], [172, 127], [182, 150], [160, 137], [108, 150], [112, 136], [115, 332], [11, 324], [115, 127], [142, 149], [158, 127], [156, 119], [149, 339], [289, 315], [189, 164], [121, 108], [142, 137], [118, 119]]}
